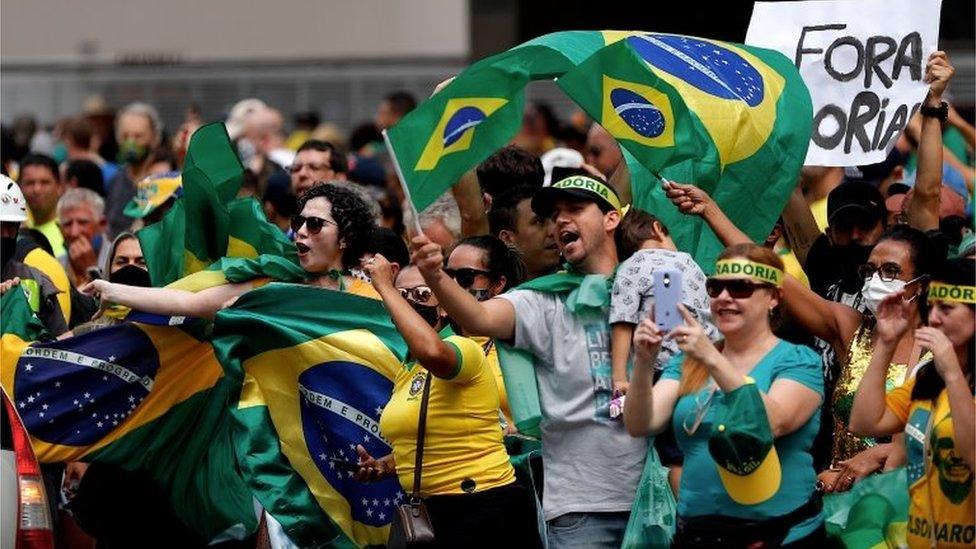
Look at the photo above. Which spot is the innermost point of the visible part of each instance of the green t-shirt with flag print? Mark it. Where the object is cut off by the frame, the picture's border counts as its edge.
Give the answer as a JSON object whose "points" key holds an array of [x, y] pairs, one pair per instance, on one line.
{"points": [[702, 491]]}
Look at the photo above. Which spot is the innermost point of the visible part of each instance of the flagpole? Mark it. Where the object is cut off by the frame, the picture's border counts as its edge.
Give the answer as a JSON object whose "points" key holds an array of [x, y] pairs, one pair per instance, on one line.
{"points": [[403, 184]]}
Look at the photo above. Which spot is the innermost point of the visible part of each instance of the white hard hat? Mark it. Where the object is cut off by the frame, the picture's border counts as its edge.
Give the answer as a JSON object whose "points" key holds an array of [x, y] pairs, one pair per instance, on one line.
{"points": [[13, 205]]}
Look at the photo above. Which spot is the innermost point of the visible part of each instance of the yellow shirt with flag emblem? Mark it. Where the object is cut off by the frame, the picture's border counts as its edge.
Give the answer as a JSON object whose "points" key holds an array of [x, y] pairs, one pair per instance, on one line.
{"points": [[463, 450], [940, 483]]}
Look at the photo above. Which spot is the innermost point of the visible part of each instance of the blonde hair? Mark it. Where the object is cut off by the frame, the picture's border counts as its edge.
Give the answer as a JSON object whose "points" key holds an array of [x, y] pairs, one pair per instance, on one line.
{"points": [[694, 374]]}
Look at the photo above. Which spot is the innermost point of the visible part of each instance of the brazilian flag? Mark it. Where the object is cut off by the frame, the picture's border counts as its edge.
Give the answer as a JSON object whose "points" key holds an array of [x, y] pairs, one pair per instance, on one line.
{"points": [[314, 368], [873, 514], [209, 222], [477, 113], [147, 394], [736, 117]]}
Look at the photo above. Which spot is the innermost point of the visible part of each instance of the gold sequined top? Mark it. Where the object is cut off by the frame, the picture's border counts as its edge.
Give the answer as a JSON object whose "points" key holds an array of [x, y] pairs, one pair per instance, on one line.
{"points": [[847, 444]]}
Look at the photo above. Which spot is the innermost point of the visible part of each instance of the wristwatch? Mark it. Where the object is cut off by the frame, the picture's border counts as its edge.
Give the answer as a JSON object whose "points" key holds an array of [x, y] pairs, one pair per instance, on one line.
{"points": [[941, 112]]}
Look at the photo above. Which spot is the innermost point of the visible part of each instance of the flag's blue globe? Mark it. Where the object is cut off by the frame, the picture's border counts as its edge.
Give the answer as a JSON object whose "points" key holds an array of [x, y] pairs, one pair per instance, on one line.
{"points": [[341, 404], [76, 391], [464, 120], [707, 66], [638, 112]]}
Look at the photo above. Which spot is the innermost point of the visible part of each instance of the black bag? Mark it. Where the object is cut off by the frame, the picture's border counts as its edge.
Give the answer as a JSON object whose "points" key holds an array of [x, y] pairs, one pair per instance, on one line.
{"points": [[411, 524]]}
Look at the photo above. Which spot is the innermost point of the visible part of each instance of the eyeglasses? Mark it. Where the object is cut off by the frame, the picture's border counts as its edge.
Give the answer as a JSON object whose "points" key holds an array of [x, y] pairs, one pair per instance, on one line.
{"points": [[738, 288], [465, 277], [417, 294], [703, 401], [314, 224], [886, 272], [297, 167]]}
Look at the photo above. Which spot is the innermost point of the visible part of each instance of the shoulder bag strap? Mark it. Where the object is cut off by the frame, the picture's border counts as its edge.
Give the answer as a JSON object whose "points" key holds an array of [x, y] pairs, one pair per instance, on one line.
{"points": [[421, 432]]}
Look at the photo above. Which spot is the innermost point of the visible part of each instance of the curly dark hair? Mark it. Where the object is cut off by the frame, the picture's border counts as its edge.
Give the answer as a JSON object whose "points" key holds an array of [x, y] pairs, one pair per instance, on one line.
{"points": [[352, 216]]}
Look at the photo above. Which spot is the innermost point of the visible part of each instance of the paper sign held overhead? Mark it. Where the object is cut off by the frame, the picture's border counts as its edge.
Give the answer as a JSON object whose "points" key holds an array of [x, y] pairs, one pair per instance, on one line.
{"points": [[864, 63]]}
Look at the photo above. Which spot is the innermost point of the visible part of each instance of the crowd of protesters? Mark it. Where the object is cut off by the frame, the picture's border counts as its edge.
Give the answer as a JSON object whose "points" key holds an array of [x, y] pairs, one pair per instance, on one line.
{"points": [[840, 347]]}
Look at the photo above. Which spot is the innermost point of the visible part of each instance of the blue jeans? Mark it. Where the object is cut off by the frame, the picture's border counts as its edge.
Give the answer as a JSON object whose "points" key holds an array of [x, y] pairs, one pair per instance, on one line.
{"points": [[587, 530]]}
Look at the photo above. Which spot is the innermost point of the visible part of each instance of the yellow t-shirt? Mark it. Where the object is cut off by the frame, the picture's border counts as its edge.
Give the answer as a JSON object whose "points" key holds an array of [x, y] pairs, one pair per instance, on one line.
{"points": [[496, 369], [463, 451], [52, 231], [819, 210], [940, 483]]}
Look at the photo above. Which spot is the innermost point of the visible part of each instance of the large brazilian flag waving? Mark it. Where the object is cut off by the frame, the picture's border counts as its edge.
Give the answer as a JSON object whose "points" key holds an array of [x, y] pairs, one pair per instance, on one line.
{"points": [[315, 368], [727, 117], [144, 395]]}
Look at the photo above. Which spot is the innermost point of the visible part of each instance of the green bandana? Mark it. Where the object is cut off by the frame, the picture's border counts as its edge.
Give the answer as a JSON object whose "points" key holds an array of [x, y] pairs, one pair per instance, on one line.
{"points": [[582, 292]]}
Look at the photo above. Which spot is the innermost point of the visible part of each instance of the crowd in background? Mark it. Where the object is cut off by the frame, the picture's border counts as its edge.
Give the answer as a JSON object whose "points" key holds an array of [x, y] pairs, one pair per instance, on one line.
{"points": [[836, 336]]}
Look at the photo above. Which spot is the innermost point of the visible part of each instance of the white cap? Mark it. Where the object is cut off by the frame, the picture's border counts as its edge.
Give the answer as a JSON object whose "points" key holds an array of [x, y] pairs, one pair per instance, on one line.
{"points": [[239, 114], [560, 158], [13, 205]]}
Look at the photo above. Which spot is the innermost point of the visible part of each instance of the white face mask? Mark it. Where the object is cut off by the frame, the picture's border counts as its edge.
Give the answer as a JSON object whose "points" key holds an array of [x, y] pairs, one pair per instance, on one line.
{"points": [[875, 290]]}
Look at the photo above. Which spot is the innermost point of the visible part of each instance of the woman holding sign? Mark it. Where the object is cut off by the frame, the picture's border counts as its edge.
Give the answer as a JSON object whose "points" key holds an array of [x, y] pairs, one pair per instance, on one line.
{"points": [[744, 413], [935, 409]]}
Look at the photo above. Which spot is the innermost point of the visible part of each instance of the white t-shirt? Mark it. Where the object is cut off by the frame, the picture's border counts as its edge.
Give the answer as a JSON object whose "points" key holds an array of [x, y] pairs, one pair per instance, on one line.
{"points": [[591, 463]]}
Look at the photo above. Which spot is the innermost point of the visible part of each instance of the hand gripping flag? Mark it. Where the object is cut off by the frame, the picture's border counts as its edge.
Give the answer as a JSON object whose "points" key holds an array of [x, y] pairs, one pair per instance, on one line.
{"points": [[208, 222], [143, 395], [314, 376]]}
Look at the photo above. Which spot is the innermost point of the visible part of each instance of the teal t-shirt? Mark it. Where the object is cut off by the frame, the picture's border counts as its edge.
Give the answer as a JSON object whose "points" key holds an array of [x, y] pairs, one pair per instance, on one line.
{"points": [[702, 492]]}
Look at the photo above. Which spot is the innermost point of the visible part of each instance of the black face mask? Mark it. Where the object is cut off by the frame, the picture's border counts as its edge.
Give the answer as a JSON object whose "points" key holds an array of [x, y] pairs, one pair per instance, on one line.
{"points": [[428, 312], [851, 257], [8, 247], [131, 275]]}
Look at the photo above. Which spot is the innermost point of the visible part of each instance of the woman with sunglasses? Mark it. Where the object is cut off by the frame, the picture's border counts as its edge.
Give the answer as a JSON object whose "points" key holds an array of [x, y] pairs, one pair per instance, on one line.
{"points": [[900, 262], [467, 480], [934, 409], [485, 266], [787, 389], [332, 233]]}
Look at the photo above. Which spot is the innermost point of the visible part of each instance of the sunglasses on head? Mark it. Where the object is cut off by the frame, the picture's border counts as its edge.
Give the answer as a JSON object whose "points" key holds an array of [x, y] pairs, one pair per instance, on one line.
{"points": [[465, 277], [313, 223], [417, 294], [738, 288]]}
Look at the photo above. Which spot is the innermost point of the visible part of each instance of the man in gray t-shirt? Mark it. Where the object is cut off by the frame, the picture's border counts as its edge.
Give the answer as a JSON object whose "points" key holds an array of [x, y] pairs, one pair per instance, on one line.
{"points": [[592, 466]]}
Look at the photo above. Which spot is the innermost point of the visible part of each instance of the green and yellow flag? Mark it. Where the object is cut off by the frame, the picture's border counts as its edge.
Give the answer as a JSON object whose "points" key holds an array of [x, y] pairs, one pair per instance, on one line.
{"points": [[742, 140], [873, 514], [143, 395], [209, 222], [314, 377]]}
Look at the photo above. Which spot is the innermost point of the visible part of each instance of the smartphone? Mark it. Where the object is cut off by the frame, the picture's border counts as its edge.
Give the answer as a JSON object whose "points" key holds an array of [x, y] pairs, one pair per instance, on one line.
{"points": [[667, 296], [344, 465]]}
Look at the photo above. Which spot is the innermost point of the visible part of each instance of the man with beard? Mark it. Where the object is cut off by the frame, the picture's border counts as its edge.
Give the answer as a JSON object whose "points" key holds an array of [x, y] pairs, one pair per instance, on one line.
{"points": [[591, 466]]}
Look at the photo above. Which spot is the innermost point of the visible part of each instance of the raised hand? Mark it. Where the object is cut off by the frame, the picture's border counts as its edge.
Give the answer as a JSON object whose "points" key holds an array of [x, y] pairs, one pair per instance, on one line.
{"points": [[938, 72], [689, 199], [893, 317], [380, 271], [692, 339], [933, 339], [647, 340], [427, 255]]}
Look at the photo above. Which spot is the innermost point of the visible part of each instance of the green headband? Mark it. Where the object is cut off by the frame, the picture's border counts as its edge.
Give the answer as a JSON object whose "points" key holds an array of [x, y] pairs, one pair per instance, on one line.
{"points": [[949, 292], [735, 268], [584, 183]]}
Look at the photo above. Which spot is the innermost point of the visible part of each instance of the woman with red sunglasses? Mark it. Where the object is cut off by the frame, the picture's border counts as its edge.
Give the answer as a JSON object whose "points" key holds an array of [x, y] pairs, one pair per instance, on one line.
{"points": [[332, 233], [745, 412]]}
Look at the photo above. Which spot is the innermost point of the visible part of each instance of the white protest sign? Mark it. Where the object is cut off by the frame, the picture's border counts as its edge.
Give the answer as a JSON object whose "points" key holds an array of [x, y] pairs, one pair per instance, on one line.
{"points": [[863, 61]]}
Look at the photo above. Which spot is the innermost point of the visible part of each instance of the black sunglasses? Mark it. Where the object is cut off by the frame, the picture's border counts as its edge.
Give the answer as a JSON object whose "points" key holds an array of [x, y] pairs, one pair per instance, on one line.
{"points": [[417, 294], [738, 288], [465, 277], [314, 224]]}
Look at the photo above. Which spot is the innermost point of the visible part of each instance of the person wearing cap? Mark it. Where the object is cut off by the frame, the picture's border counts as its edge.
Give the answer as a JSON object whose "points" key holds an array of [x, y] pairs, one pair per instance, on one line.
{"points": [[138, 129], [934, 409], [42, 294], [155, 195], [591, 466], [902, 260], [745, 412]]}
